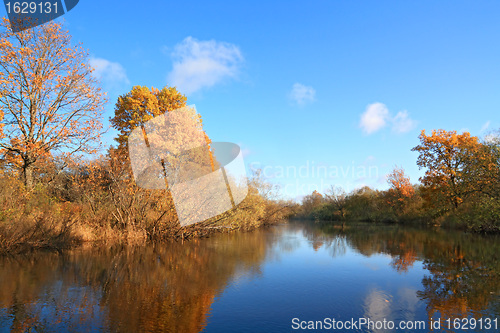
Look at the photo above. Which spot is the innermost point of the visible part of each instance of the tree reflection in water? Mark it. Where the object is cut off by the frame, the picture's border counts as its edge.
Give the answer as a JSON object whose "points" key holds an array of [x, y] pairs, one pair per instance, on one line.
{"points": [[172, 287], [463, 269], [166, 287]]}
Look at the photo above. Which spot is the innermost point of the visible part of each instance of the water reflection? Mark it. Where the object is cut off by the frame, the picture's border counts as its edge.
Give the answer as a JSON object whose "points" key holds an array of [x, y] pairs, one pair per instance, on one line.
{"points": [[378, 306], [254, 281], [463, 270], [167, 288]]}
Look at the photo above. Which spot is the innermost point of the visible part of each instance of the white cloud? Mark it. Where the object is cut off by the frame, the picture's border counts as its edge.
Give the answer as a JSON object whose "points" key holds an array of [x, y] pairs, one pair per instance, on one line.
{"points": [[111, 73], [374, 118], [302, 94], [377, 116], [202, 64], [485, 126], [402, 122]]}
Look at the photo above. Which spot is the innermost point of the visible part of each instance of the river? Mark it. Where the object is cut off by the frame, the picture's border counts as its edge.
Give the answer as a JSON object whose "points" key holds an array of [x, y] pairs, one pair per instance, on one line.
{"points": [[287, 278]]}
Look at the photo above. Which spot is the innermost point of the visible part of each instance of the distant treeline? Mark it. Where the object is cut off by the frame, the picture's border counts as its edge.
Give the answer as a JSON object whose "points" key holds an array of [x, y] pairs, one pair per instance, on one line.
{"points": [[460, 188]]}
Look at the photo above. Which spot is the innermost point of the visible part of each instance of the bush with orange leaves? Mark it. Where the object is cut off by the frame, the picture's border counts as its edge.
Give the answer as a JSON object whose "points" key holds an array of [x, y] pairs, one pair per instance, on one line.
{"points": [[98, 200]]}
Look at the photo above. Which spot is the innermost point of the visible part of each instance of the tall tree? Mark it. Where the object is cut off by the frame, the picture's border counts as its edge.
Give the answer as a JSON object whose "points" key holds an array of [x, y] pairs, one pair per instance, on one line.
{"points": [[166, 161], [142, 104], [447, 156], [49, 99]]}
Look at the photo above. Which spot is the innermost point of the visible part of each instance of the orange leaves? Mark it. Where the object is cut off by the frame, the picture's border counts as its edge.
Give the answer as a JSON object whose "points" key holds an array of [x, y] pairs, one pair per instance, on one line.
{"points": [[447, 156], [49, 99], [317, 194], [400, 183], [142, 104], [401, 189]]}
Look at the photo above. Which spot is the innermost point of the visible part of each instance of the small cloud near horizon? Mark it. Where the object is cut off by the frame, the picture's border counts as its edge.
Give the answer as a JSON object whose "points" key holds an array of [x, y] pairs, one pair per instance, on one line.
{"points": [[302, 94]]}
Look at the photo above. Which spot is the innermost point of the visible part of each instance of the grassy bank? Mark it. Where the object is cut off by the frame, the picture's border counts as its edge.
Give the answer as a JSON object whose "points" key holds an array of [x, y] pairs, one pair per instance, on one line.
{"points": [[98, 201]]}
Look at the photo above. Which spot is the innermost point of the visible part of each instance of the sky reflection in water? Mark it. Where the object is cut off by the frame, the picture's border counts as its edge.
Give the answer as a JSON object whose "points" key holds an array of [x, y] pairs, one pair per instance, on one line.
{"points": [[255, 282]]}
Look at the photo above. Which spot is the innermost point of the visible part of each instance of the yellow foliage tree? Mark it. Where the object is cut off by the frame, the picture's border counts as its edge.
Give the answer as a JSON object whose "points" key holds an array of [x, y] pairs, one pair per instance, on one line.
{"points": [[140, 105], [448, 156], [165, 143]]}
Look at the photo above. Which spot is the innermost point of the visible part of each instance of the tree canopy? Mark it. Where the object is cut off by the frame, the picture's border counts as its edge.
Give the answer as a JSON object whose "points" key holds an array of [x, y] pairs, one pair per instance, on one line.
{"points": [[142, 104], [447, 157], [49, 101]]}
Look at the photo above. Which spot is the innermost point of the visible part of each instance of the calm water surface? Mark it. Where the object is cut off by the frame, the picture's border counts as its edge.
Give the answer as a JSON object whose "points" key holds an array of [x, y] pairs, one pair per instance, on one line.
{"points": [[259, 282]]}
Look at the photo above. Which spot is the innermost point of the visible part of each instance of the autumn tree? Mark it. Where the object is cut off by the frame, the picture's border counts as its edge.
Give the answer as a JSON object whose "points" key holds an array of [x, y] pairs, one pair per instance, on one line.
{"points": [[448, 157], [175, 140], [49, 100], [140, 105], [161, 151], [401, 189]]}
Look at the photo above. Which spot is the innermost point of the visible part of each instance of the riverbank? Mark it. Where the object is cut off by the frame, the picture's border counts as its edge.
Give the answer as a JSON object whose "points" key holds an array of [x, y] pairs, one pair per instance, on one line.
{"points": [[63, 214], [53, 236]]}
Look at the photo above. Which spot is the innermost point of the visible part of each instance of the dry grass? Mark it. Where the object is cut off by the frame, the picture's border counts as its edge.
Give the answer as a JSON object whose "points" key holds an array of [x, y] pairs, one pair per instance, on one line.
{"points": [[99, 202]]}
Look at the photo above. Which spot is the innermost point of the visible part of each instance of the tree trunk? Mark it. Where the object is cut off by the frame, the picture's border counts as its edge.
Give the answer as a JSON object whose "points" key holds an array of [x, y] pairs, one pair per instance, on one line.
{"points": [[28, 175]]}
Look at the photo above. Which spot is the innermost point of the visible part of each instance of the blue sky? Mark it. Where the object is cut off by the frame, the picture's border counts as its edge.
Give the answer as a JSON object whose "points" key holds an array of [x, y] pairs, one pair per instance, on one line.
{"points": [[308, 86]]}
